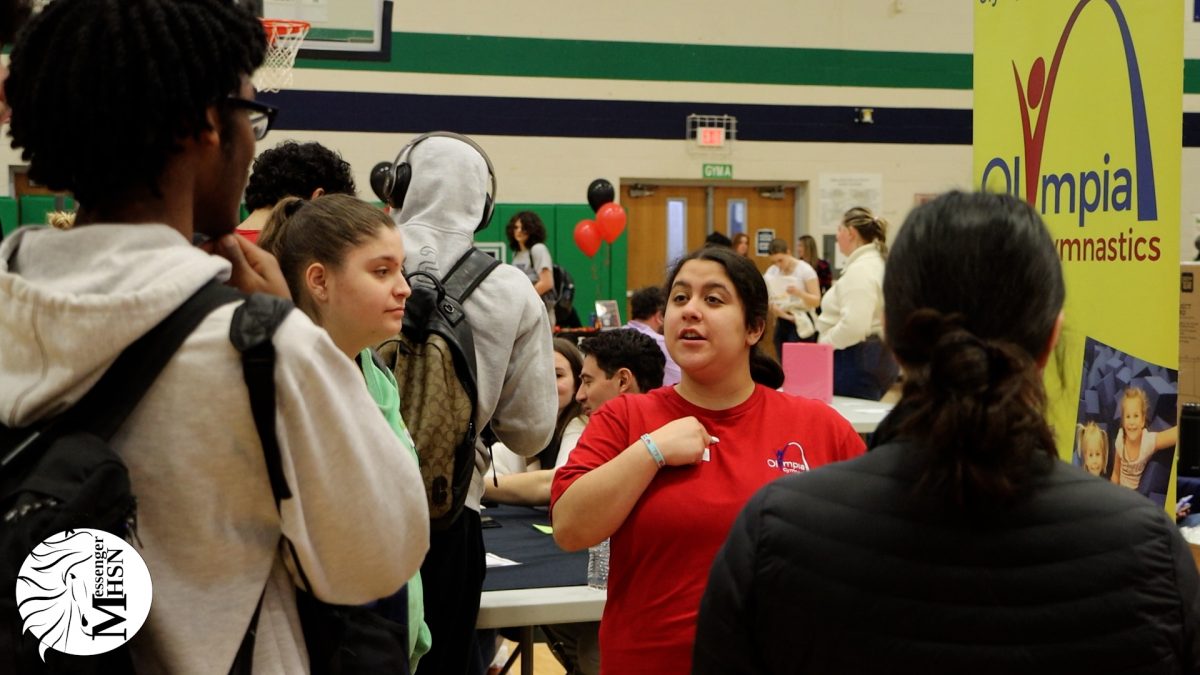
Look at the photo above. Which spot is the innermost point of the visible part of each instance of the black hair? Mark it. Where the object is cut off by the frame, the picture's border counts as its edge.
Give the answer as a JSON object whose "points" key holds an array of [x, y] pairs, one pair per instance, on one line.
{"points": [[718, 239], [549, 455], [531, 225], [972, 292], [13, 14], [627, 348], [102, 91], [646, 302], [293, 169], [752, 291]]}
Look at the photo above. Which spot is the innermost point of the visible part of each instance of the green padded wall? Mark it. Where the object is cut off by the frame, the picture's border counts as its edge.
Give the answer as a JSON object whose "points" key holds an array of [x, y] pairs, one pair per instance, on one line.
{"points": [[8, 215], [599, 278], [34, 209]]}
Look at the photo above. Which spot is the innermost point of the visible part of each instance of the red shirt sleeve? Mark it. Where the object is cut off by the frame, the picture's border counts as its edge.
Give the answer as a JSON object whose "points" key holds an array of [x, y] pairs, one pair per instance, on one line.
{"points": [[604, 437]]}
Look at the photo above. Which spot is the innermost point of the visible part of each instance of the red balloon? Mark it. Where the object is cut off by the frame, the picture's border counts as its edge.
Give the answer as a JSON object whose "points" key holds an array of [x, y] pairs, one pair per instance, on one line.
{"points": [[587, 238], [610, 220]]}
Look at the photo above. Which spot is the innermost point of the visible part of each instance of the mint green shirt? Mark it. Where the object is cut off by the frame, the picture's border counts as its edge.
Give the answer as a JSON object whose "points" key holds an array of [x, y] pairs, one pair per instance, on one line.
{"points": [[383, 388]]}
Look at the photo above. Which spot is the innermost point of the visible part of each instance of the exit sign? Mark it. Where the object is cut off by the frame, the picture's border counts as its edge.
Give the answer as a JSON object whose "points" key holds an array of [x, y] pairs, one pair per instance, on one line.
{"points": [[710, 137], [718, 171]]}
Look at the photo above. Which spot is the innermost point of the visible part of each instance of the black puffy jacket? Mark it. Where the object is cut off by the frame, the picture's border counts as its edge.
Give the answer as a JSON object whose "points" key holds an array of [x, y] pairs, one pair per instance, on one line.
{"points": [[841, 571]]}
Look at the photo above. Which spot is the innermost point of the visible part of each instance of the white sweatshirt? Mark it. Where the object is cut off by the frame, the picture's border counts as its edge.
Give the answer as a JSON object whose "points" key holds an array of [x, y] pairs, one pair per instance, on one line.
{"points": [[852, 310], [514, 356], [70, 302]]}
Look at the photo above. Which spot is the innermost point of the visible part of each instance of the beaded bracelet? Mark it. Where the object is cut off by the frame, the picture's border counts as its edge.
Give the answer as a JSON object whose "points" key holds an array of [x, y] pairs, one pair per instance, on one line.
{"points": [[654, 451]]}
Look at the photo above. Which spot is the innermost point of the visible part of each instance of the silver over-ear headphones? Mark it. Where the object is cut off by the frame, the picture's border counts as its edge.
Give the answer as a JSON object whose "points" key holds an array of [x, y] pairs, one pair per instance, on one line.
{"points": [[390, 180]]}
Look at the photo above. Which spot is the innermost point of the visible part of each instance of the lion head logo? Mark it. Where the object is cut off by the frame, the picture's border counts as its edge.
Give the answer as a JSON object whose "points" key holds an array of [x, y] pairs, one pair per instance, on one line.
{"points": [[83, 592]]}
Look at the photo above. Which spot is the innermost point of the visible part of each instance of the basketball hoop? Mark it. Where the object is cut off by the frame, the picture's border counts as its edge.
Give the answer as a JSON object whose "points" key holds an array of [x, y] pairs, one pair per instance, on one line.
{"points": [[284, 37]]}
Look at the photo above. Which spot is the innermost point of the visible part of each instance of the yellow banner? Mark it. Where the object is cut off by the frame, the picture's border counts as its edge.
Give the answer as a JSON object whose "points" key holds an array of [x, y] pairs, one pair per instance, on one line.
{"points": [[1078, 110]]}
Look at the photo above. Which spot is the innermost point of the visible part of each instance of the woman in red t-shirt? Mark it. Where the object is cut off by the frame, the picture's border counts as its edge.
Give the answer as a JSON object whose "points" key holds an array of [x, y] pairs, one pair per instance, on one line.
{"points": [[663, 474]]}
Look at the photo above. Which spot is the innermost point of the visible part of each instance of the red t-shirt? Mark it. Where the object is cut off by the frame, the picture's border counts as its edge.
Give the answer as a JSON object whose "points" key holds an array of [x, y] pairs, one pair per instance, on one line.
{"points": [[251, 235], [661, 554]]}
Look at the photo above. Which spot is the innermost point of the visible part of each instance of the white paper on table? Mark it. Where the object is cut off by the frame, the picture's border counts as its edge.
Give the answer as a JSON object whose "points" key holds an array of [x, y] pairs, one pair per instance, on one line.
{"points": [[494, 560]]}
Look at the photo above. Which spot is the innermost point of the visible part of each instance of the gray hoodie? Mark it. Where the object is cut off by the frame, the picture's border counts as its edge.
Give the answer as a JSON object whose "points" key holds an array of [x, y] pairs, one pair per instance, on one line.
{"points": [[70, 302], [513, 348]]}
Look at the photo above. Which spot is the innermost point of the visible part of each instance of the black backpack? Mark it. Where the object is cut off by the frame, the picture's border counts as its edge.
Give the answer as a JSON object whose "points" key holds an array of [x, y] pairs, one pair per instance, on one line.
{"points": [[564, 306], [61, 474], [564, 289], [433, 360]]}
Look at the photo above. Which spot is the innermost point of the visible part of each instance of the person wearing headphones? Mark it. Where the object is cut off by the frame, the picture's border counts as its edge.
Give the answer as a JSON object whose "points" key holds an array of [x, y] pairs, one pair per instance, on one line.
{"points": [[438, 190]]}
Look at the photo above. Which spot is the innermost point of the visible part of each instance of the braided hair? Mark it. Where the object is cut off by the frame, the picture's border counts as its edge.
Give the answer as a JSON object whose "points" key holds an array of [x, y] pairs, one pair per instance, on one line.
{"points": [[972, 294], [102, 91]]}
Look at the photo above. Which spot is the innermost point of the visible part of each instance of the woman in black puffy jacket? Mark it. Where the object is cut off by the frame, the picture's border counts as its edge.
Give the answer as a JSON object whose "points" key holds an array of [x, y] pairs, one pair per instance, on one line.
{"points": [[960, 543]]}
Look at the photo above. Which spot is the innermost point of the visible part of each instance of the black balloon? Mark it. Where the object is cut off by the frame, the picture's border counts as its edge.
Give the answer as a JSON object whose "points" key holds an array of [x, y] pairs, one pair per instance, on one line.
{"points": [[600, 192]]}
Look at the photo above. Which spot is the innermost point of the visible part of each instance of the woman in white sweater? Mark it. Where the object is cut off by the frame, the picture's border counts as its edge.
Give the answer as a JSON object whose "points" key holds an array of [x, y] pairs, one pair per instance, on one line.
{"points": [[852, 311]]}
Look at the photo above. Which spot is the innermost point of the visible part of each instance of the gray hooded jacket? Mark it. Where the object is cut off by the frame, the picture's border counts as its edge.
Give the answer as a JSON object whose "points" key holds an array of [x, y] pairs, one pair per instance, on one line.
{"points": [[70, 302], [513, 350]]}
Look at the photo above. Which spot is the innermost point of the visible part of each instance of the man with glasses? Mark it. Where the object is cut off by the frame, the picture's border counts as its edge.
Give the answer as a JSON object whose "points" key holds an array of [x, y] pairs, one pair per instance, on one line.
{"points": [[151, 124]]}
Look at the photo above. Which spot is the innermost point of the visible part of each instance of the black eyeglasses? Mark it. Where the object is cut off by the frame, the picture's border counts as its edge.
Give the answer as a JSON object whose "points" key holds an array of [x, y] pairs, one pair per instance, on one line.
{"points": [[262, 116]]}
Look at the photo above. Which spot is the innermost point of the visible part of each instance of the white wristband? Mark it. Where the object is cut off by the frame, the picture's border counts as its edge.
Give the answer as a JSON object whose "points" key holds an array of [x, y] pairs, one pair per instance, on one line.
{"points": [[654, 451]]}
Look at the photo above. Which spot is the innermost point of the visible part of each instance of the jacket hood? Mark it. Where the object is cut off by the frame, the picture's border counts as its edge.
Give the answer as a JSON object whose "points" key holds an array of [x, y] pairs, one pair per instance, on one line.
{"points": [[443, 205], [72, 301]]}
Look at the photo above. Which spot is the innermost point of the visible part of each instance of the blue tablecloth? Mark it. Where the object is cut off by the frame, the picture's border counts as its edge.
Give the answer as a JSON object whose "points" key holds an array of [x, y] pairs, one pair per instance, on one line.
{"points": [[543, 563], [1189, 486]]}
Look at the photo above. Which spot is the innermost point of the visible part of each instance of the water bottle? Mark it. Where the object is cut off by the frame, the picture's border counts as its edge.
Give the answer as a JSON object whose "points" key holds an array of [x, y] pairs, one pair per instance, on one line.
{"points": [[597, 574]]}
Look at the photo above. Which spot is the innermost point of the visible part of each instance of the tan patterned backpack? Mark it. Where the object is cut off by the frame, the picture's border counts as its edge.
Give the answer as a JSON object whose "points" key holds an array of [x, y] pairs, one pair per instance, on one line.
{"points": [[433, 360]]}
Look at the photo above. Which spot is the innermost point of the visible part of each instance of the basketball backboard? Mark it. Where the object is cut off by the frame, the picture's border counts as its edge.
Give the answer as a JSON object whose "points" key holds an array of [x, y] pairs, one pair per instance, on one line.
{"points": [[342, 29]]}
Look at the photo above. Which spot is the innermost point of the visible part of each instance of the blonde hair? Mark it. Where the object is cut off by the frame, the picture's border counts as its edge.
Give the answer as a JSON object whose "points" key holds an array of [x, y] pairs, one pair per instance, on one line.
{"points": [[871, 228], [1091, 431], [1140, 394], [61, 220]]}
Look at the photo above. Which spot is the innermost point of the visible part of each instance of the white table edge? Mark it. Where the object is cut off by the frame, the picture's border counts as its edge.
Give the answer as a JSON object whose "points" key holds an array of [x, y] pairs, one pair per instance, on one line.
{"points": [[538, 606]]}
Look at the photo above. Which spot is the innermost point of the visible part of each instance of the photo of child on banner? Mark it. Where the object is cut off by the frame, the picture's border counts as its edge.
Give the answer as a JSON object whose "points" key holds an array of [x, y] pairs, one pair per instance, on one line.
{"points": [[1126, 425]]}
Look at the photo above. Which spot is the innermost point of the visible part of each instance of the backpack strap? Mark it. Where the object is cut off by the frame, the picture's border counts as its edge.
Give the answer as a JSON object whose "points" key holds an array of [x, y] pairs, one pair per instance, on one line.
{"points": [[253, 326], [251, 330], [466, 275], [105, 407]]}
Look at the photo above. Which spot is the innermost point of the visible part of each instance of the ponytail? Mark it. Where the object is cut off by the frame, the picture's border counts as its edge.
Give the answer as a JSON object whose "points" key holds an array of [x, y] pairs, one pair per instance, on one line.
{"points": [[871, 228], [274, 240], [300, 232], [765, 370], [978, 408]]}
